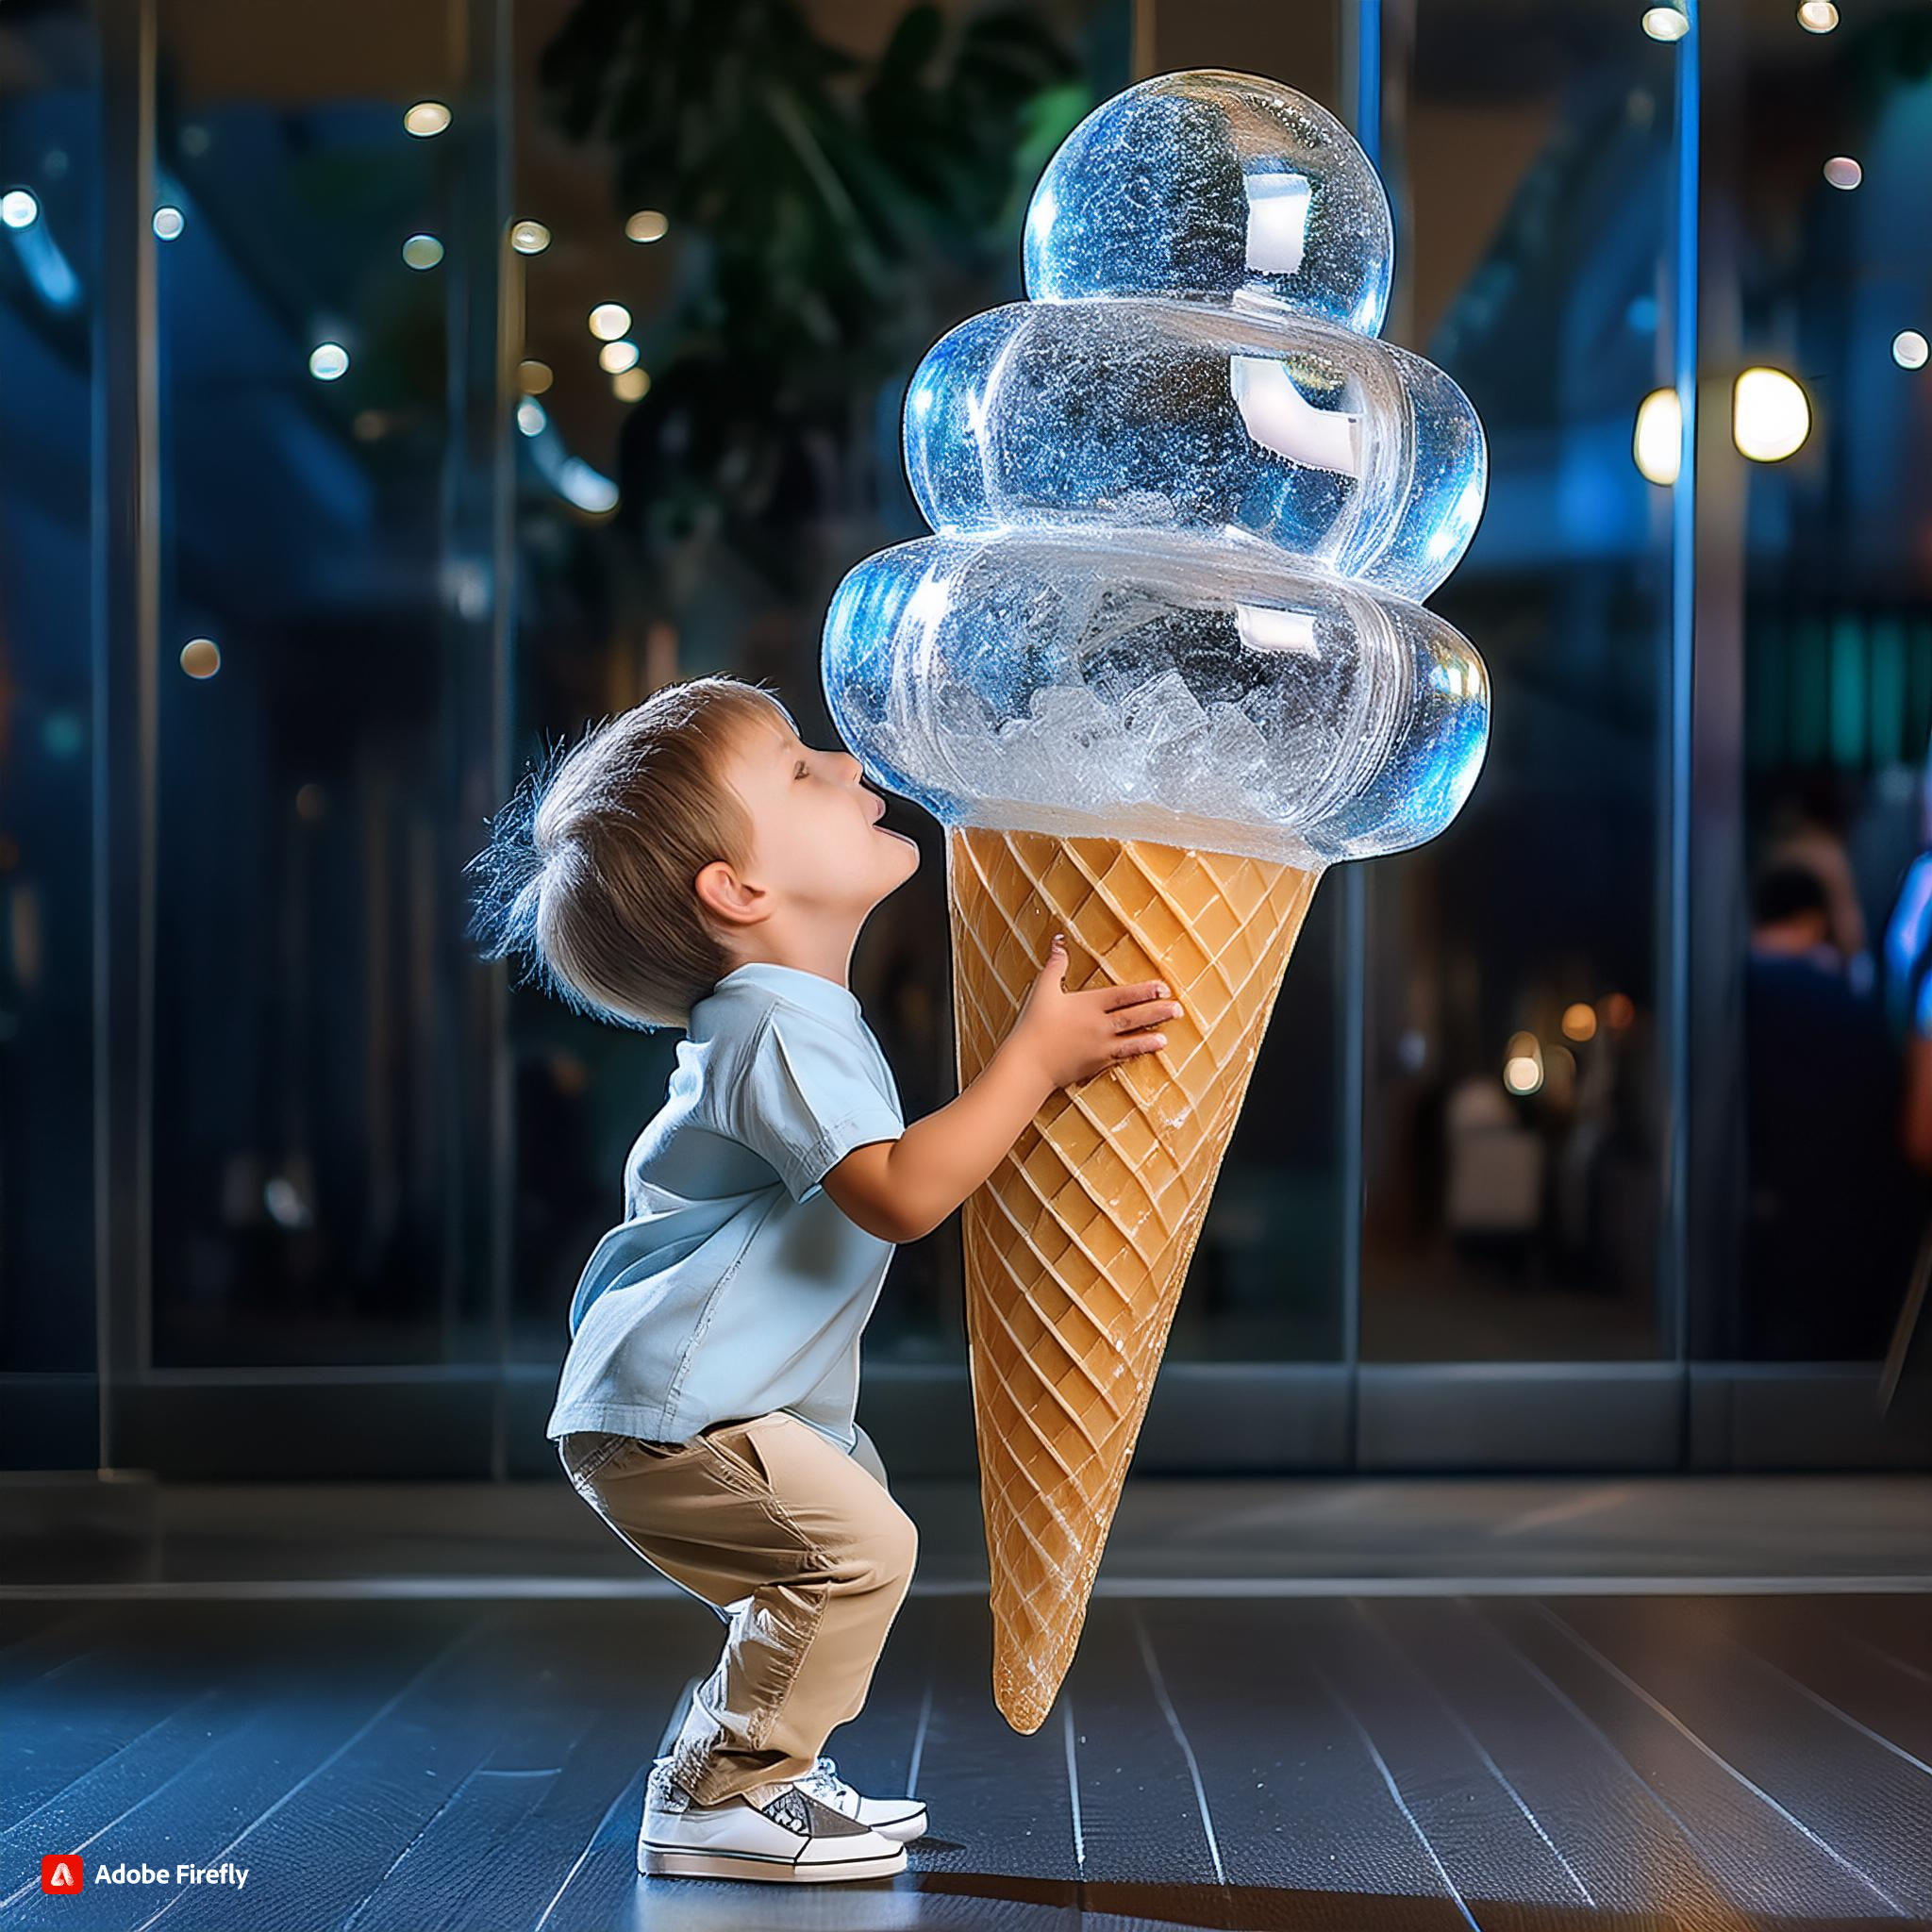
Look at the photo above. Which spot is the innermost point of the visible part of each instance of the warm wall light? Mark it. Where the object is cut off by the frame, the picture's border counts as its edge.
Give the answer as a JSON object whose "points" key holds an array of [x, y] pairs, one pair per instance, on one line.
{"points": [[1842, 172], [201, 657], [1770, 415], [608, 321], [631, 386], [615, 358], [1523, 1072], [1522, 1063], [533, 377], [1909, 349], [1818, 16], [530, 237], [422, 251], [1657, 442], [328, 360], [426, 117], [647, 225], [1665, 23], [1579, 1020]]}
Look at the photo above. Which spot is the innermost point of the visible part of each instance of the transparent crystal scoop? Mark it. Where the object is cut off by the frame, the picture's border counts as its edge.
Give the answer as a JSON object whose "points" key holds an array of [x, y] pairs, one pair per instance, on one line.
{"points": [[1049, 682], [1247, 421]]}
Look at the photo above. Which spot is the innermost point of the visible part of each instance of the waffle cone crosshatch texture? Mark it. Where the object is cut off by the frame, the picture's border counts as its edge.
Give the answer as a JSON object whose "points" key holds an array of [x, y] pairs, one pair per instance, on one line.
{"points": [[1077, 1247]]}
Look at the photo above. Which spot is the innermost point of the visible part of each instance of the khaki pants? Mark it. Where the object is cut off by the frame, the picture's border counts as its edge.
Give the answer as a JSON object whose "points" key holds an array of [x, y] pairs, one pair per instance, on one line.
{"points": [[798, 1546]]}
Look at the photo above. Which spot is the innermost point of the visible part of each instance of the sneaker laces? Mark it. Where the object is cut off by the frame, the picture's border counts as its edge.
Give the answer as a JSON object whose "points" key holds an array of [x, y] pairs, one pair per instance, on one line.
{"points": [[823, 1779]]}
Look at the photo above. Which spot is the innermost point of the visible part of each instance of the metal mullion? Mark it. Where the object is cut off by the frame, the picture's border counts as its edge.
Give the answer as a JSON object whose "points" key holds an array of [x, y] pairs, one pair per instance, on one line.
{"points": [[126, 554]]}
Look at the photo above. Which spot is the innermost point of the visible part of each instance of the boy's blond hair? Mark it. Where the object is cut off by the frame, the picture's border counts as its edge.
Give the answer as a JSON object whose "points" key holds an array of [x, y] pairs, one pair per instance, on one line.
{"points": [[591, 867]]}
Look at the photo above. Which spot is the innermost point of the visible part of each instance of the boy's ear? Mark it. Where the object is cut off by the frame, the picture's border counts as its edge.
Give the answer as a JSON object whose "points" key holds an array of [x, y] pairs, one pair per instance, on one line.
{"points": [[727, 897]]}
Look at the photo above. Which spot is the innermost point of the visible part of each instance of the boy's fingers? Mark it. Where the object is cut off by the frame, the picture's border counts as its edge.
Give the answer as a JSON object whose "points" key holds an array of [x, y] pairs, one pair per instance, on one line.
{"points": [[1134, 995], [1149, 1014], [1131, 1043]]}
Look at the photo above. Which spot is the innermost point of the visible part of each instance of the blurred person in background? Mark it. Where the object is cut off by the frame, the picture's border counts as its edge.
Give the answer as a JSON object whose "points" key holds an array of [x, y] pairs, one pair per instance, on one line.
{"points": [[1807, 831], [1833, 1211]]}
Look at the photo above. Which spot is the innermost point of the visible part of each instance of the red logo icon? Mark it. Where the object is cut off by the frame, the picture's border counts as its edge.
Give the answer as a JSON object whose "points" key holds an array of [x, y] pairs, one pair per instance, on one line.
{"points": [[62, 1871]]}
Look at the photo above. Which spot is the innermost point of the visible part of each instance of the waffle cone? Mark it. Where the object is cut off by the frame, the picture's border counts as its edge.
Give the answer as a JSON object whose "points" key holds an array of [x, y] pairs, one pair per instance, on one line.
{"points": [[1078, 1244]]}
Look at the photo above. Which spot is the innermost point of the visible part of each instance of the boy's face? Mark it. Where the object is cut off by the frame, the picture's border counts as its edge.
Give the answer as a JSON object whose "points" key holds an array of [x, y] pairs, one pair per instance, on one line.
{"points": [[817, 842]]}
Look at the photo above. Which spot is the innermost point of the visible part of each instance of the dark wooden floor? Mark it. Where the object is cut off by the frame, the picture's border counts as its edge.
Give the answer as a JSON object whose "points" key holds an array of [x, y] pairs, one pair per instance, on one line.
{"points": [[1361, 1762]]}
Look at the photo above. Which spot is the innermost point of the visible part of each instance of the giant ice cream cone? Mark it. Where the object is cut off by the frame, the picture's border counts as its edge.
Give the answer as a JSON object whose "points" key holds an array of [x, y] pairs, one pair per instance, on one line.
{"points": [[1162, 662], [1077, 1246]]}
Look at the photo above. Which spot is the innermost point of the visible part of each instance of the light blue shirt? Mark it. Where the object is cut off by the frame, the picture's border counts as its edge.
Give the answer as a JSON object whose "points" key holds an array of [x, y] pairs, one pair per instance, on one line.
{"points": [[735, 1284]]}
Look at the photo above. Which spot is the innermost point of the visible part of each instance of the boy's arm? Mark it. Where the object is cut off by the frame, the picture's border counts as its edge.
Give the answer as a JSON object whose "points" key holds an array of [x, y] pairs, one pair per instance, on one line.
{"points": [[901, 1189]]}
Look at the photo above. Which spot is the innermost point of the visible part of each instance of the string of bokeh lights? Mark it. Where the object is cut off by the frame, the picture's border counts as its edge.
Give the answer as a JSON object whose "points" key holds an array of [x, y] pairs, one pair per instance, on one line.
{"points": [[618, 357]]}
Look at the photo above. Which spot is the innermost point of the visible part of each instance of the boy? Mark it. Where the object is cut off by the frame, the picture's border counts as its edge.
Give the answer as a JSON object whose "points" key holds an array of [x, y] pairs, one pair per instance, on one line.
{"points": [[693, 864]]}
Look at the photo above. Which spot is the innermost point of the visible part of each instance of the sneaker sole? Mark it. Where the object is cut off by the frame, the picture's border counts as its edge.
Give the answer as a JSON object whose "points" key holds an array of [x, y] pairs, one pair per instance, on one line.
{"points": [[668, 1861], [905, 1831]]}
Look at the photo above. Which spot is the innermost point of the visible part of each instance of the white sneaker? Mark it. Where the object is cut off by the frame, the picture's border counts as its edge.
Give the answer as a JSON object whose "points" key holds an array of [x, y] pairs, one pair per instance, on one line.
{"points": [[902, 1818], [796, 1838]]}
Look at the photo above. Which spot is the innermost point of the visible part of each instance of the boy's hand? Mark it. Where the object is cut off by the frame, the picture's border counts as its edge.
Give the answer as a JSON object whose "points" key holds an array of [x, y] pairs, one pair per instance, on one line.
{"points": [[1069, 1037], [901, 1189]]}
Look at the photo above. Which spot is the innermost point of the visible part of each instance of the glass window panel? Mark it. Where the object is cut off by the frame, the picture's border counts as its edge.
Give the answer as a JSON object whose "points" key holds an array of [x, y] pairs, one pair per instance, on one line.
{"points": [[1515, 1076], [1833, 285], [49, 277], [322, 1156], [603, 619]]}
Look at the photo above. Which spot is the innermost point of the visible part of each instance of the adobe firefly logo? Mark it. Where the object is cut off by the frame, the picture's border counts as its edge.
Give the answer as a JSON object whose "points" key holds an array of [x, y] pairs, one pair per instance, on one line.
{"points": [[62, 1871]]}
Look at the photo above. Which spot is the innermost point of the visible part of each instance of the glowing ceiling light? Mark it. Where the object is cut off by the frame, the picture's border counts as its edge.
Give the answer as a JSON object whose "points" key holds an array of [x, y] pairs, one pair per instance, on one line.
{"points": [[1909, 349], [1818, 16], [426, 117], [1657, 442], [631, 386], [533, 377], [608, 321], [328, 360], [530, 237], [1770, 415], [201, 657], [615, 358], [1842, 172], [531, 418], [1665, 23], [19, 208], [168, 222], [647, 225], [422, 251]]}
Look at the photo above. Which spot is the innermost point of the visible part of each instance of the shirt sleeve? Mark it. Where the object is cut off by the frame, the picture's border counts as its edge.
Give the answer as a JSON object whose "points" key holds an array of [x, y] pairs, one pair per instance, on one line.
{"points": [[805, 1099]]}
